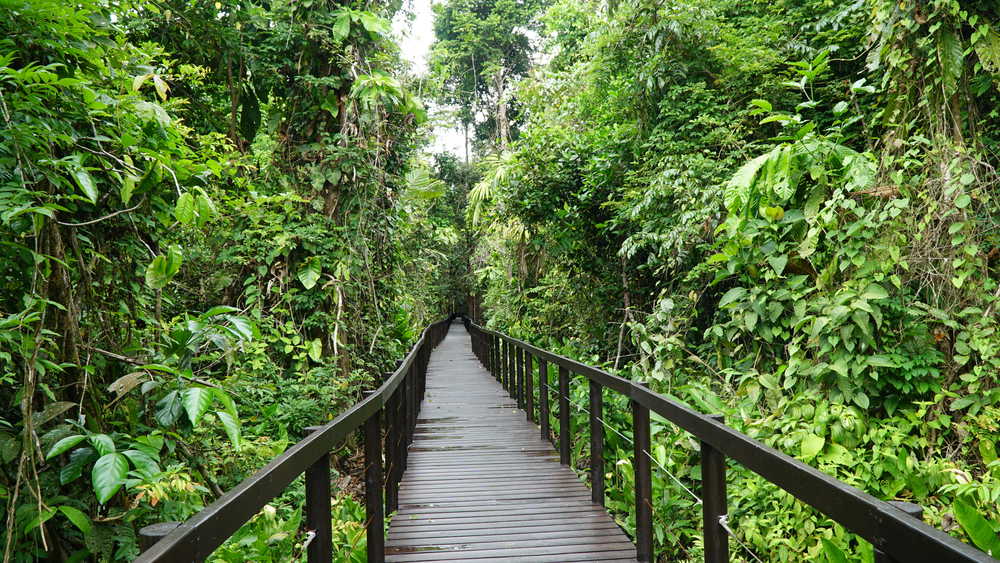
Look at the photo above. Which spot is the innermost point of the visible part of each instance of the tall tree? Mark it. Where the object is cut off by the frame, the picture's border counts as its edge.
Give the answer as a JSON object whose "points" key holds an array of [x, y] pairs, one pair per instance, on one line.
{"points": [[481, 48]]}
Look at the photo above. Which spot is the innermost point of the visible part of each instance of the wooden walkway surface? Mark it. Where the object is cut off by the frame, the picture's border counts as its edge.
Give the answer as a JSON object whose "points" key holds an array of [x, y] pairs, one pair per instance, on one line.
{"points": [[481, 485]]}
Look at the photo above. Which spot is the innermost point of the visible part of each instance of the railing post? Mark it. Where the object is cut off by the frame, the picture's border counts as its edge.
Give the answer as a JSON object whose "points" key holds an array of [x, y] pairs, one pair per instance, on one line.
{"points": [[493, 355], [910, 509], [714, 506], [543, 398], [153, 533], [503, 363], [596, 443], [643, 484], [510, 369], [563, 416], [374, 516], [391, 450], [529, 386], [414, 405], [404, 420], [519, 368], [320, 549]]}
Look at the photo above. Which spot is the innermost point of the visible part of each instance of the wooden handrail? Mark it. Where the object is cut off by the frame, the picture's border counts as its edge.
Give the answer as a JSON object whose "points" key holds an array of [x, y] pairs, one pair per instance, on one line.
{"points": [[398, 399], [893, 531]]}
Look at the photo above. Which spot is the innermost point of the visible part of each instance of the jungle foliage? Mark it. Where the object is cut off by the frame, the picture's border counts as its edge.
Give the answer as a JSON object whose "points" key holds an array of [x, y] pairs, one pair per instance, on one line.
{"points": [[782, 212], [215, 230]]}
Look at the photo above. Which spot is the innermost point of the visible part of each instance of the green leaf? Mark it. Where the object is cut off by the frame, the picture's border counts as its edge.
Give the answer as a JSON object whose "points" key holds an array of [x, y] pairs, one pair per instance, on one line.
{"points": [[128, 188], [77, 461], [316, 350], [150, 112], [963, 201], [64, 444], [161, 87], [196, 402], [163, 269], [811, 445], [86, 183], [737, 190], [184, 211], [875, 291], [108, 475], [103, 444], [950, 57], [978, 528], [732, 295], [77, 517], [40, 519], [374, 24], [840, 108], [231, 425], [861, 400], [778, 263], [878, 360], [143, 462], [217, 310], [341, 27], [833, 553], [205, 209], [309, 273], [987, 450], [168, 409], [963, 402]]}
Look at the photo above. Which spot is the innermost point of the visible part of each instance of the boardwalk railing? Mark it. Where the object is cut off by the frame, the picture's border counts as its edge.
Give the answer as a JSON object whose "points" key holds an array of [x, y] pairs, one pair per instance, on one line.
{"points": [[393, 405], [894, 529]]}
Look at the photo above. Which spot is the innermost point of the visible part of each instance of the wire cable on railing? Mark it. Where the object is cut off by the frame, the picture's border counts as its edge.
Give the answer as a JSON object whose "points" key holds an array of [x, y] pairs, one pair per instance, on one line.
{"points": [[724, 524], [310, 536], [629, 440], [723, 520]]}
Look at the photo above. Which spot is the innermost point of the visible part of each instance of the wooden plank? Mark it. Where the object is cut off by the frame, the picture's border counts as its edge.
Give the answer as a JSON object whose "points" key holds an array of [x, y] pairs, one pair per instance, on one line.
{"points": [[593, 551], [482, 486]]}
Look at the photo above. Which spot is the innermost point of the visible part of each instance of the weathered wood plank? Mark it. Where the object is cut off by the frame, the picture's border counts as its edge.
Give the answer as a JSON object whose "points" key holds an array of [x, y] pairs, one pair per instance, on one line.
{"points": [[482, 486]]}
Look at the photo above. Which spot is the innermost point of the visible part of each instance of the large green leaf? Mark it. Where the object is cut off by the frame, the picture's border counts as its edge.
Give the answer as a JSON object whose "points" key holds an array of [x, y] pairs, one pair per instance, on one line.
{"points": [[811, 445], [874, 292], [86, 183], [341, 27], [142, 462], [833, 553], [309, 273], [64, 444], [163, 268], [737, 191], [77, 517], [950, 57], [168, 409], [977, 527], [316, 350], [196, 402], [732, 295], [108, 475], [79, 459], [103, 443], [231, 425], [185, 211]]}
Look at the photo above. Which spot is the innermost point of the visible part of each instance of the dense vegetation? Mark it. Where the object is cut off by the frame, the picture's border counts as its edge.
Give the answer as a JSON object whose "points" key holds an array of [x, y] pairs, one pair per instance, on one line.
{"points": [[216, 230], [783, 212], [219, 224]]}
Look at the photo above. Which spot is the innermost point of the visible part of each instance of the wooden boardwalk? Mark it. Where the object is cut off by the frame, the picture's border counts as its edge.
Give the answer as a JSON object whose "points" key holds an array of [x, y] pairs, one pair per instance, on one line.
{"points": [[481, 485]]}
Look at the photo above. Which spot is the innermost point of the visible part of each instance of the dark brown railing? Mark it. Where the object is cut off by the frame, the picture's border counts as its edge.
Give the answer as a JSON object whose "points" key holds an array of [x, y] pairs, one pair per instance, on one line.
{"points": [[394, 405], [894, 529]]}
